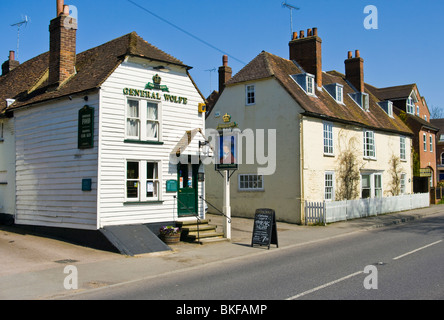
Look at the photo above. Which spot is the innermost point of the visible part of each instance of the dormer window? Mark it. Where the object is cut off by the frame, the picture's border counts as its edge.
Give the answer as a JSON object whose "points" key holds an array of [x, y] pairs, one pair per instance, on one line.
{"points": [[336, 90], [410, 106], [387, 106], [362, 99], [306, 82]]}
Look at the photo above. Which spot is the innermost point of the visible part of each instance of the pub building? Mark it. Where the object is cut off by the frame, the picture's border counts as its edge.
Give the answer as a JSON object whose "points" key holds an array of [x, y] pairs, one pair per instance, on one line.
{"points": [[91, 141]]}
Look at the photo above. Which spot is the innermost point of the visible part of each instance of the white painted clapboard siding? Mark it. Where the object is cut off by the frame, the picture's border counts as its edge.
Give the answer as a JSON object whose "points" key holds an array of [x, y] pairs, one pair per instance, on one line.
{"points": [[113, 153], [50, 167]]}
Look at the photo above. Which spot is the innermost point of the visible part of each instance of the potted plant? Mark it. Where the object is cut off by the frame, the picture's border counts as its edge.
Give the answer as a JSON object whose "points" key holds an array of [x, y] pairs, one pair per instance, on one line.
{"points": [[169, 234]]}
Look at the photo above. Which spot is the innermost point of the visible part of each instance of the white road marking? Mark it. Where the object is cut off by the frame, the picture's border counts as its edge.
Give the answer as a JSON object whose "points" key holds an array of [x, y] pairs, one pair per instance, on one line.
{"points": [[324, 285], [413, 251]]}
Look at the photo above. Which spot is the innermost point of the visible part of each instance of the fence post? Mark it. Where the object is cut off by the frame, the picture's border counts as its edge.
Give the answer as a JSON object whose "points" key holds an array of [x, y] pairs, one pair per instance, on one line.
{"points": [[324, 217]]}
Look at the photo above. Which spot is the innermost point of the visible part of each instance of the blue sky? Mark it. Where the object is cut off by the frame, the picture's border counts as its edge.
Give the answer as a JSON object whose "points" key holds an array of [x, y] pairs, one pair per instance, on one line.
{"points": [[406, 48]]}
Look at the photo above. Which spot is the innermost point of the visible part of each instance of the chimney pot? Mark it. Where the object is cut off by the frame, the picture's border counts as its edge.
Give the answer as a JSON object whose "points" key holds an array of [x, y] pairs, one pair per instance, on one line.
{"points": [[350, 55], [357, 55], [66, 10], [225, 60], [60, 7], [11, 55], [302, 34], [315, 32], [308, 32], [295, 35]]}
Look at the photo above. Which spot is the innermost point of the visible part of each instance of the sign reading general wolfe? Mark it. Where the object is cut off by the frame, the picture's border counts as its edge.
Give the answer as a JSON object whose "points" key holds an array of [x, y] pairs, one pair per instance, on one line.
{"points": [[86, 128]]}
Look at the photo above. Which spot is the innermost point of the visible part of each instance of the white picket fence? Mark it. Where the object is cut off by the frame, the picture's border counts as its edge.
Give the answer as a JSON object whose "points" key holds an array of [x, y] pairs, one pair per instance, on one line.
{"points": [[333, 211]]}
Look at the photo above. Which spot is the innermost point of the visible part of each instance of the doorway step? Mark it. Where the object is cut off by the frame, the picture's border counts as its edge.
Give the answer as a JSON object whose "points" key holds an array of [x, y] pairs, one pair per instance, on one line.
{"points": [[199, 231]]}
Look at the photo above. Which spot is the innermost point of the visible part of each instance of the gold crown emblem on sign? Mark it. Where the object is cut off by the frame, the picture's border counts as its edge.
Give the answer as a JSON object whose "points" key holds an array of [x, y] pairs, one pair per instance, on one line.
{"points": [[226, 117], [157, 79]]}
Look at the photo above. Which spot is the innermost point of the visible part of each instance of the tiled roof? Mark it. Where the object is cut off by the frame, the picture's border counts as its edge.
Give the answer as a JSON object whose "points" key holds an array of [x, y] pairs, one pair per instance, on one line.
{"points": [[392, 93], [28, 84], [267, 65]]}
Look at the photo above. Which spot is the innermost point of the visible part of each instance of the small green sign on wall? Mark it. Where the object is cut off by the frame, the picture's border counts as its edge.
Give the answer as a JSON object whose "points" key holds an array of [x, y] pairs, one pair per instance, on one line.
{"points": [[86, 128], [171, 186]]}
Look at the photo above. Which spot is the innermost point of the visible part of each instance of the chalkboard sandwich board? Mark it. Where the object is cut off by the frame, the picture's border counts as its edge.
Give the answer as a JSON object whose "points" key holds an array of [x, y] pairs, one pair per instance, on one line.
{"points": [[264, 229]]}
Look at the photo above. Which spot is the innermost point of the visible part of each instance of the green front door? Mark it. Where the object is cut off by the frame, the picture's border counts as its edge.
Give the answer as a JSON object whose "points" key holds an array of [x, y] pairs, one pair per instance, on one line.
{"points": [[187, 178]]}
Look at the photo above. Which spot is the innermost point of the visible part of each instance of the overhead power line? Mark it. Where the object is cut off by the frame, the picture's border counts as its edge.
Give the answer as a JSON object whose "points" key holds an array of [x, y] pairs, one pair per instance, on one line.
{"points": [[184, 31]]}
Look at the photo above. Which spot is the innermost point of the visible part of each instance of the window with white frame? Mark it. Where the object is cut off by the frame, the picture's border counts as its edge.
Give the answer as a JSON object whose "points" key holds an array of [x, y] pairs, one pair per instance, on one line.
{"points": [[442, 159], [366, 186], [371, 185], [336, 90], [152, 122], [329, 186], [402, 148], [417, 111], [424, 141], [306, 81], [369, 144], [402, 183], [142, 181], [328, 138], [250, 94], [431, 143], [339, 93], [378, 185], [142, 120], [310, 84], [133, 119], [251, 182], [410, 106]]}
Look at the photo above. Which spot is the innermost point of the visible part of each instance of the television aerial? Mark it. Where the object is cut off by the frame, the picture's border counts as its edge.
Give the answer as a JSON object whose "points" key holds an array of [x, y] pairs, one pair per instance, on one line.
{"points": [[19, 25], [291, 7]]}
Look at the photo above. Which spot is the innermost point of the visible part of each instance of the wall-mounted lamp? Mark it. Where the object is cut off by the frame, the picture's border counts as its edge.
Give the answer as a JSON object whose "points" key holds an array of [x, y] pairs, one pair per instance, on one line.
{"points": [[205, 147]]}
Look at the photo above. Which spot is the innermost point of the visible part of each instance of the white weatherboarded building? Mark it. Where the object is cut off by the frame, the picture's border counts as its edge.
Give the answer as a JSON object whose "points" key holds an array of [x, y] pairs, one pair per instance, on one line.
{"points": [[96, 143]]}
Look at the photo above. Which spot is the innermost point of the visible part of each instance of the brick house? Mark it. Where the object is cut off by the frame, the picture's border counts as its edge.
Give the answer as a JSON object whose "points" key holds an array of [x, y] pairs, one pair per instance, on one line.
{"points": [[412, 108]]}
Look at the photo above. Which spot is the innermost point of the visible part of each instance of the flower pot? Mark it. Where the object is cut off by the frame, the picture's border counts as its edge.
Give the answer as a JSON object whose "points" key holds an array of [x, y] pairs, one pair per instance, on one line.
{"points": [[170, 238]]}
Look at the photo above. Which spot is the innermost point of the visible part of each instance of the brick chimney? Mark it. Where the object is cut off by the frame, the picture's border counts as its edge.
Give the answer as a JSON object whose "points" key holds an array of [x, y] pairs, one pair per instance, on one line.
{"points": [[10, 64], [307, 52], [354, 70], [225, 73], [62, 45]]}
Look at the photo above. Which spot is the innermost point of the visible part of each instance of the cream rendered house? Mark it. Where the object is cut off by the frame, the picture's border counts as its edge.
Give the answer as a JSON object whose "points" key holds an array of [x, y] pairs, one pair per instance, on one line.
{"points": [[319, 118]]}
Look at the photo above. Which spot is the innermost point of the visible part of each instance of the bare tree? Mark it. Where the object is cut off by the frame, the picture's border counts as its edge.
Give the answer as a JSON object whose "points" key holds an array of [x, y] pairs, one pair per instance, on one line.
{"points": [[436, 112], [395, 171], [348, 172]]}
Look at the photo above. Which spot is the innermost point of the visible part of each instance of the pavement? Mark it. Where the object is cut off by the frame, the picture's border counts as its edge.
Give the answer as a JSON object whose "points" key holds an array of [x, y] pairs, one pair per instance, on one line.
{"points": [[32, 267]]}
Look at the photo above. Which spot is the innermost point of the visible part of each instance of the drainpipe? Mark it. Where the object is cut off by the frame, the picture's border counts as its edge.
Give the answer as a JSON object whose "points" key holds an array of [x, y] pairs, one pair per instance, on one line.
{"points": [[301, 169]]}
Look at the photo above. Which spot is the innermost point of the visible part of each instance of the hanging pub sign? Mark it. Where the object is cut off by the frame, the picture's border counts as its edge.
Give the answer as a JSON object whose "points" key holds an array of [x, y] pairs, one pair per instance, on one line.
{"points": [[227, 146], [86, 128]]}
